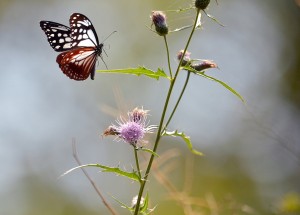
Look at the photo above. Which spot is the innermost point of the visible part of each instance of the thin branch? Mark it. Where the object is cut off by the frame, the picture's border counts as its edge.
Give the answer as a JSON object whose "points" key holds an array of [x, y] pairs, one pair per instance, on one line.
{"points": [[106, 204]]}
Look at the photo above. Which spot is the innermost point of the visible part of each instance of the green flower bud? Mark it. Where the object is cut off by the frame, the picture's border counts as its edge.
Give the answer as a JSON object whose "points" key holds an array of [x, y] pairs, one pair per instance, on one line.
{"points": [[202, 4], [159, 20]]}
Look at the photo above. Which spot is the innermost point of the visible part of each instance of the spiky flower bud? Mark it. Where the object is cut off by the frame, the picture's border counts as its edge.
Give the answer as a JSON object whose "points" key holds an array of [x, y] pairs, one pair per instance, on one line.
{"points": [[186, 58], [205, 64], [187, 61], [159, 20], [202, 4]]}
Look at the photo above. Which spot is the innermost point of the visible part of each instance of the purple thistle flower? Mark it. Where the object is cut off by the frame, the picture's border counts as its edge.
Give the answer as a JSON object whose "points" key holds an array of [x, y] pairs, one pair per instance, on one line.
{"points": [[133, 129]]}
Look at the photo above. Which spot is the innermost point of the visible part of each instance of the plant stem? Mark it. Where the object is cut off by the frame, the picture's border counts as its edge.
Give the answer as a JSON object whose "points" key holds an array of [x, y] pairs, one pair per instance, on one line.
{"points": [[168, 56], [179, 99], [137, 162], [143, 183]]}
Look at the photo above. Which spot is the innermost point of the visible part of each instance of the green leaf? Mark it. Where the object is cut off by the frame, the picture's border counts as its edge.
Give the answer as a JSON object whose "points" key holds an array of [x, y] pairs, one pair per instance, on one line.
{"points": [[186, 139], [149, 150], [216, 80], [138, 71], [223, 84], [123, 204], [144, 207], [213, 18], [116, 170]]}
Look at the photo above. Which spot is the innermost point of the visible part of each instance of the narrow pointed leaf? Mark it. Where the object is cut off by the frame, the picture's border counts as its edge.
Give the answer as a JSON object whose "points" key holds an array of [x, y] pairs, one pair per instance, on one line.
{"points": [[215, 80], [214, 19], [144, 207], [123, 204], [116, 170], [181, 28], [149, 151], [185, 138], [138, 71], [223, 84]]}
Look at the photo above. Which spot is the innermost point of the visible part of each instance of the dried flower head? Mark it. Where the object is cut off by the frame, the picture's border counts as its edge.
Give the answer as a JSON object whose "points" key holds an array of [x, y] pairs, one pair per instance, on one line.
{"points": [[111, 130], [133, 129], [160, 22], [202, 4], [186, 58]]}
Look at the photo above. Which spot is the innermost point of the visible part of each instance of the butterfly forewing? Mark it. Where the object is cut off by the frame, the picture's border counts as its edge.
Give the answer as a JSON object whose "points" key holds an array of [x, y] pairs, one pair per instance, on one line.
{"points": [[79, 63], [59, 36], [82, 31]]}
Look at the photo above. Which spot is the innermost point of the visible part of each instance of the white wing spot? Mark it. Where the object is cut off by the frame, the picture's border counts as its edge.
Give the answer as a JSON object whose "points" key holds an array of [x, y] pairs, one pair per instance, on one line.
{"points": [[61, 40], [80, 37], [85, 22], [68, 39], [65, 35], [59, 34], [54, 30], [67, 46], [51, 35], [92, 36], [53, 41], [57, 47]]}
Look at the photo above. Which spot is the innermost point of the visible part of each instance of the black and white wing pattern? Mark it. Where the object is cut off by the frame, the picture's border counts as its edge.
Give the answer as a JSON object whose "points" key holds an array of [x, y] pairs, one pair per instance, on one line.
{"points": [[83, 32], [80, 43], [59, 36]]}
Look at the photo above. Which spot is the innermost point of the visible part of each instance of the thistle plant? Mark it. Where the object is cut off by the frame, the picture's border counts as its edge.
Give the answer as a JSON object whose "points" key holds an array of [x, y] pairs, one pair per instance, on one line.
{"points": [[133, 128]]}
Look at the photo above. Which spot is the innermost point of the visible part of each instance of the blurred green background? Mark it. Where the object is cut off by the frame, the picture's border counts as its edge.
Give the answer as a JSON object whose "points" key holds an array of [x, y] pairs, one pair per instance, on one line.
{"points": [[252, 153]]}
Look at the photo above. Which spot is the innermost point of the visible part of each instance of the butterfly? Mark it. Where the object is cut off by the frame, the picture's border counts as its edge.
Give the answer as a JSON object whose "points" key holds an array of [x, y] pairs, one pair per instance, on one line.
{"points": [[78, 43]]}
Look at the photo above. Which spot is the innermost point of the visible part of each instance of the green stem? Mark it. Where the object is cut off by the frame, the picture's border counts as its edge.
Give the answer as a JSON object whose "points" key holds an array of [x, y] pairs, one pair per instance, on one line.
{"points": [[143, 183], [168, 55], [179, 99], [137, 162]]}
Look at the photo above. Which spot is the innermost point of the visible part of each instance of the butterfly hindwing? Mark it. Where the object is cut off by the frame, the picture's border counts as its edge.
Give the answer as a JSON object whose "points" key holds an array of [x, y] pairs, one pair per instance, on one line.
{"points": [[79, 63], [83, 32], [59, 36]]}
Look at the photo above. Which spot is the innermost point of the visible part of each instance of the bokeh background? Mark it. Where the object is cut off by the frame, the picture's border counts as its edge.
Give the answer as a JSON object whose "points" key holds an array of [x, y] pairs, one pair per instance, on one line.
{"points": [[252, 153]]}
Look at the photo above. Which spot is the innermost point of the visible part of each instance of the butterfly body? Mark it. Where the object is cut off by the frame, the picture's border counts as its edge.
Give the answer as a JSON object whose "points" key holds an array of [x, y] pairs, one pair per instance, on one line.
{"points": [[78, 43]]}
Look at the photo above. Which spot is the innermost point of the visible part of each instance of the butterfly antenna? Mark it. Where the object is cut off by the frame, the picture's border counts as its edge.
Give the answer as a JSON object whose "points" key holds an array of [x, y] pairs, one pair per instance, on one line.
{"points": [[103, 60], [109, 35], [105, 52], [104, 49]]}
